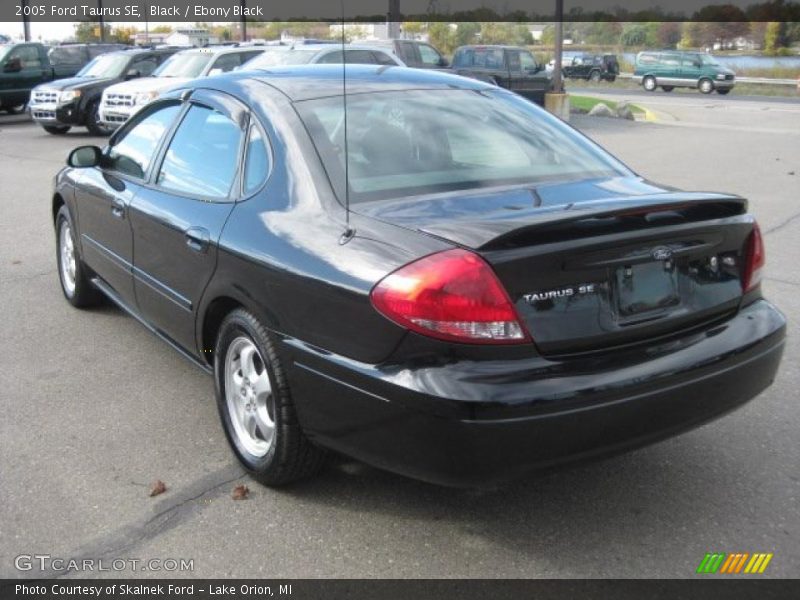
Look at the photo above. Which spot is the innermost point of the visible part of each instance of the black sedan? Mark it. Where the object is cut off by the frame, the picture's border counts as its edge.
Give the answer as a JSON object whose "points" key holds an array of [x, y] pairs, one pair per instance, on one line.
{"points": [[502, 294]]}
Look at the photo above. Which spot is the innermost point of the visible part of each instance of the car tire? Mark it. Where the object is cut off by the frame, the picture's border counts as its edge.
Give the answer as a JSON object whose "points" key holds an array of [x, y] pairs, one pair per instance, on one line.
{"points": [[72, 273], [256, 407], [667, 88], [56, 129], [649, 83], [706, 86], [722, 92], [595, 76], [93, 123]]}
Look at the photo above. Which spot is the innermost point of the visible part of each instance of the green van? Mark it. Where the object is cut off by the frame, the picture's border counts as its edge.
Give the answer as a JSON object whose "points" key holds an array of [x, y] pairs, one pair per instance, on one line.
{"points": [[673, 68]]}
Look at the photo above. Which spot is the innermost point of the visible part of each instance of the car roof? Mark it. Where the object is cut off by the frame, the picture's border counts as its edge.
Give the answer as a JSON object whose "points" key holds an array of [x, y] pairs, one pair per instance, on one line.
{"points": [[491, 46], [306, 82], [223, 49]]}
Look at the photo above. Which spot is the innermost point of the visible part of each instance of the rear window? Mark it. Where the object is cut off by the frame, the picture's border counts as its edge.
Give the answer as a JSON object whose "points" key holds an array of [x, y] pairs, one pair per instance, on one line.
{"points": [[403, 143], [647, 58]]}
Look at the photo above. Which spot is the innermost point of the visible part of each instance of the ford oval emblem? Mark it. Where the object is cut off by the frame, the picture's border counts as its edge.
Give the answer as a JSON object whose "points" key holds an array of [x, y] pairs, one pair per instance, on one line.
{"points": [[661, 253]]}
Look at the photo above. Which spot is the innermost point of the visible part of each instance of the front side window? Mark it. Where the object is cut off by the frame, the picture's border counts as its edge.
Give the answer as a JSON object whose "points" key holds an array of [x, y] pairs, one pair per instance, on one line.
{"points": [[144, 66], [134, 152], [226, 62], [203, 156], [28, 56], [527, 61], [403, 143], [429, 55], [382, 58]]}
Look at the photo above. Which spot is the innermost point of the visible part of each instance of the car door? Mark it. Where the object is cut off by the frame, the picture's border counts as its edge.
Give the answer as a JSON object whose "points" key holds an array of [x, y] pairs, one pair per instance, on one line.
{"points": [[691, 68], [177, 219], [105, 194]]}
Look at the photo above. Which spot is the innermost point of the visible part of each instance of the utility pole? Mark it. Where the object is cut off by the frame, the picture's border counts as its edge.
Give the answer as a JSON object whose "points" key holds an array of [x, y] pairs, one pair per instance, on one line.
{"points": [[394, 19], [102, 21], [558, 83], [242, 4], [26, 21]]}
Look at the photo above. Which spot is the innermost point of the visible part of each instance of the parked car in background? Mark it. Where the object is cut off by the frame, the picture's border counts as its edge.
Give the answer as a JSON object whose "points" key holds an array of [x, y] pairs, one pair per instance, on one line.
{"points": [[509, 67], [592, 67], [65, 103], [122, 100], [501, 295], [414, 53], [24, 66], [669, 69], [302, 54]]}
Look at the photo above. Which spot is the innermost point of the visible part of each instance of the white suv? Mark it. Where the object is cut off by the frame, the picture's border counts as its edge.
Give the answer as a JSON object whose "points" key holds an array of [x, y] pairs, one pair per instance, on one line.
{"points": [[123, 100]]}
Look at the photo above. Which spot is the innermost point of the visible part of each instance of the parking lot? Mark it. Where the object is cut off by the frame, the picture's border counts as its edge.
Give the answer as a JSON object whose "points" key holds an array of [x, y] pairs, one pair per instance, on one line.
{"points": [[95, 408]]}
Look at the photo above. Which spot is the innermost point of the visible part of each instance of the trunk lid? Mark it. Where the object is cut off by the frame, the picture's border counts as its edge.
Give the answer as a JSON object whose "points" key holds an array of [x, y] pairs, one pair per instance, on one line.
{"points": [[594, 265]]}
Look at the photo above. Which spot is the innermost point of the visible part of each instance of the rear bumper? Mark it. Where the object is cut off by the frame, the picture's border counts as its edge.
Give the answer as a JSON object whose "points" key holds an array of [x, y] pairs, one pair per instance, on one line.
{"points": [[471, 423]]}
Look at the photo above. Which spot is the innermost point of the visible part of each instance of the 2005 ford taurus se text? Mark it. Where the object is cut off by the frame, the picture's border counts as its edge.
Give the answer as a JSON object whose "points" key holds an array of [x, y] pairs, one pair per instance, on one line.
{"points": [[502, 294]]}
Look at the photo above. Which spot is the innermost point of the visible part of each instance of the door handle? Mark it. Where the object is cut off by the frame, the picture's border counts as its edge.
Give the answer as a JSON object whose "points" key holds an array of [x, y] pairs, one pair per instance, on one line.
{"points": [[197, 239], [118, 209]]}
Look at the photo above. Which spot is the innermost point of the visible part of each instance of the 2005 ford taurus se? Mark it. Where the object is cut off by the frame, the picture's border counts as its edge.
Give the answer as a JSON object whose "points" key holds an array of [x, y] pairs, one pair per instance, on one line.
{"points": [[501, 295]]}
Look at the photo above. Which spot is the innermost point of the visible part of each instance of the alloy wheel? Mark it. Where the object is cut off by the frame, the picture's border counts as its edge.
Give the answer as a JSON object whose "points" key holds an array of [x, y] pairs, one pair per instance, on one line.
{"points": [[249, 398], [66, 257]]}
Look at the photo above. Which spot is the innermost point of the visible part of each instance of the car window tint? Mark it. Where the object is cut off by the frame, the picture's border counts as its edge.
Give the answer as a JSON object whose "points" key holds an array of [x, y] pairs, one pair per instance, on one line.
{"points": [[402, 143], [513, 61], [463, 58], [257, 161], [428, 55], [671, 60], [382, 58], [490, 59], [145, 66], [202, 156], [133, 153], [227, 62], [527, 61], [29, 57]]}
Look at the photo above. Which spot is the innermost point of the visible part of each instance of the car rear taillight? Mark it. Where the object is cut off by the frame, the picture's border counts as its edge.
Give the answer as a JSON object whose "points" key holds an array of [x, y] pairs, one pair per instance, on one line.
{"points": [[755, 259], [452, 295]]}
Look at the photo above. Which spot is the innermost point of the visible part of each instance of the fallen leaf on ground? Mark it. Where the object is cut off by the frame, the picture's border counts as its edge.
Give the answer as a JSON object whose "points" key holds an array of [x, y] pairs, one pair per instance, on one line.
{"points": [[240, 492], [157, 487]]}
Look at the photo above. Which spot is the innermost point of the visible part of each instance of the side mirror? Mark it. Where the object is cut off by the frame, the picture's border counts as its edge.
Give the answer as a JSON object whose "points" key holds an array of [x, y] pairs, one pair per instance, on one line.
{"points": [[13, 65], [698, 63], [132, 74], [85, 156], [443, 62]]}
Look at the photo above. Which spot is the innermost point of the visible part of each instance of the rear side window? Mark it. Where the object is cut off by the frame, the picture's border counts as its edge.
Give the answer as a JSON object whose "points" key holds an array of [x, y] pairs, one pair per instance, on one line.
{"points": [[648, 58], [203, 156], [670, 60], [133, 153], [463, 58], [382, 58], [513, 61], [257, 163], [488, 58], [68, 55]]}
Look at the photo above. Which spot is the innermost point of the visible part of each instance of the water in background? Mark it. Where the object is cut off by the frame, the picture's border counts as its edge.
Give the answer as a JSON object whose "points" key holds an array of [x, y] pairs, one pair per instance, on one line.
{"points": [[745, 62]]}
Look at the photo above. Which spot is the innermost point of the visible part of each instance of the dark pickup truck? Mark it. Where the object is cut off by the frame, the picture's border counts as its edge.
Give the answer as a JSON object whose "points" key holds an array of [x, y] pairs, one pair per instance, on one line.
{"points": [[26, 65], [509, 67]]}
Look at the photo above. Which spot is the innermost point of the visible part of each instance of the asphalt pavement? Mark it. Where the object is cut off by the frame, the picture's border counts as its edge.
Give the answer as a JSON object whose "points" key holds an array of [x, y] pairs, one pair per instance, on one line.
{"points": [[95, 408]]}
